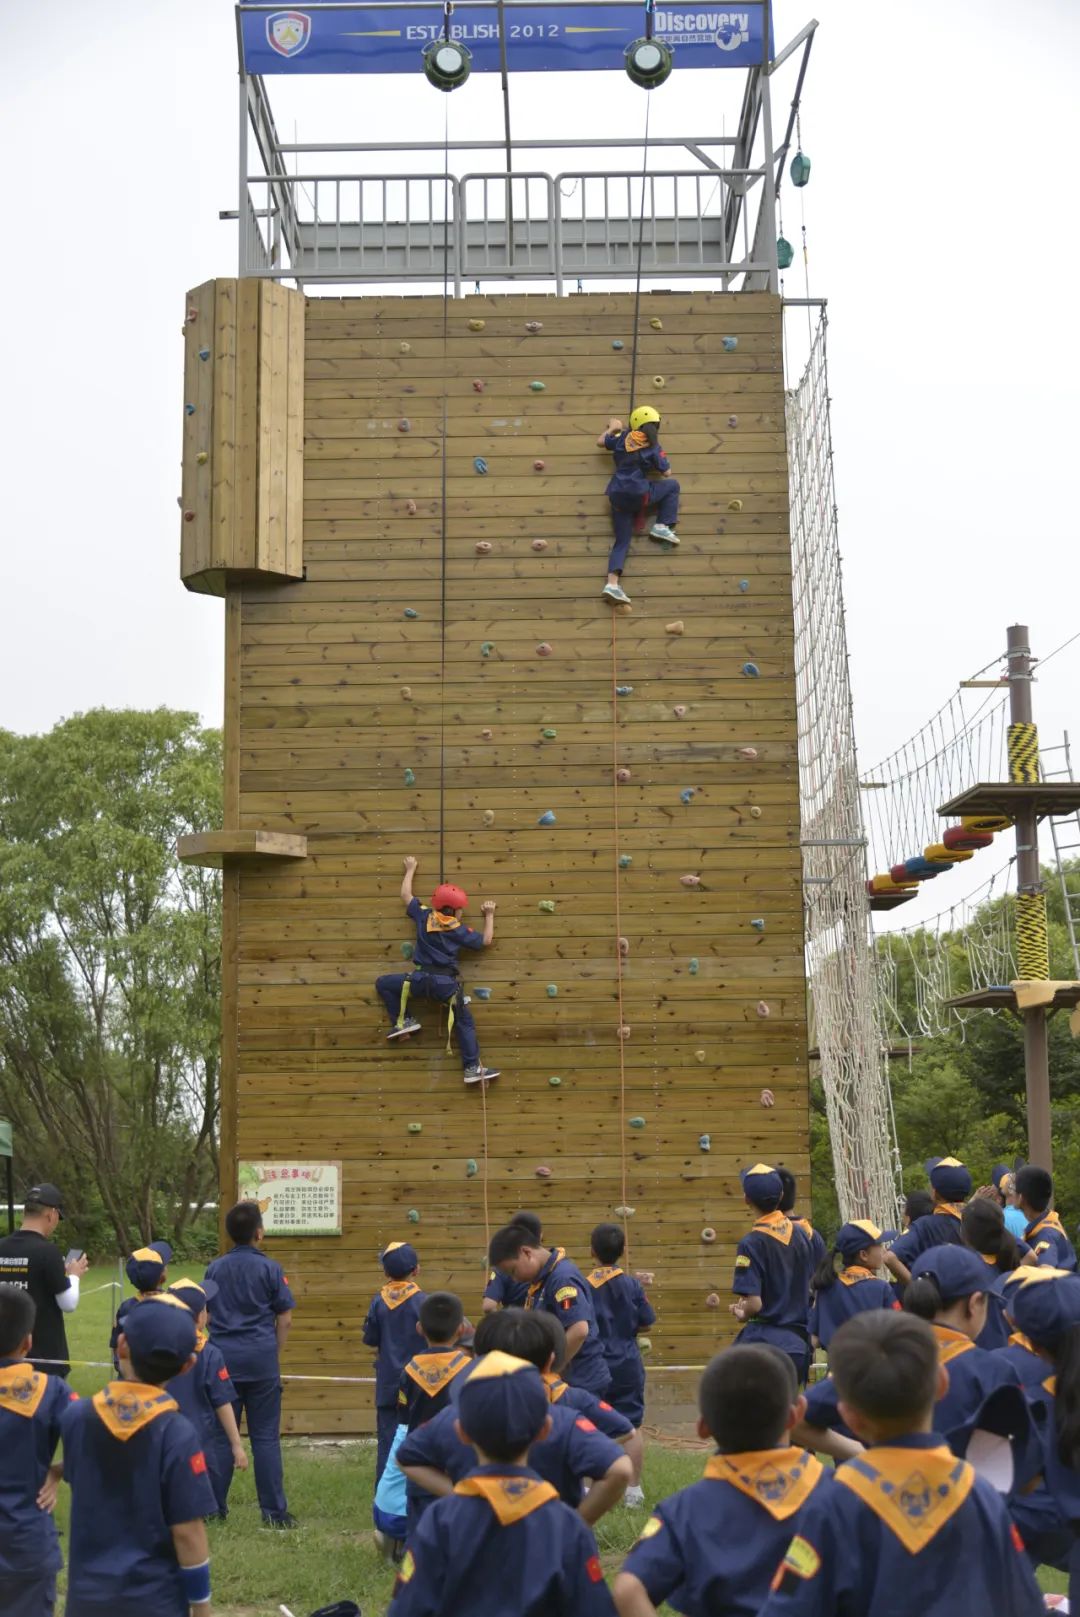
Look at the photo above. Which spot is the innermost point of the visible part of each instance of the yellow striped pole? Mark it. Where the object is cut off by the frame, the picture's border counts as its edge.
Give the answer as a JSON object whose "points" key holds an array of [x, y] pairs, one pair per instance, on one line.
{"points": [[1023, 744]]}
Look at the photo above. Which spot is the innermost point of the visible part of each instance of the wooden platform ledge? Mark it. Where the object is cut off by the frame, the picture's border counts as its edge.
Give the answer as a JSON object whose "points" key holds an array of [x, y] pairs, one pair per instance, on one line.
{"points": [[212, 848]]}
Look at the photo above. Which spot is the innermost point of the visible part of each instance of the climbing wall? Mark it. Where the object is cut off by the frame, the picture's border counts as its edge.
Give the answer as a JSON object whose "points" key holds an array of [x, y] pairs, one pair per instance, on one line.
{"points": [[446, 681]]}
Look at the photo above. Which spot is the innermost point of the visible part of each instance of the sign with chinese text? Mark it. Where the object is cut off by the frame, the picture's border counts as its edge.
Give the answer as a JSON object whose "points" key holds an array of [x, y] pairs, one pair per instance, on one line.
{"points": [[295, 1198]]}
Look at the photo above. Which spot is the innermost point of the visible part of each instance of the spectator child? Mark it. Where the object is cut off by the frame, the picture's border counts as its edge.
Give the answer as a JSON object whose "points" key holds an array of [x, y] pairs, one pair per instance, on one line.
{"points": [[426, 1380], [1044, 1233], [147, 1270], [622, 1312], [856, 1287], [983, 1224], [950, 1187], [205, 1393], [772, 1273], [557, 1286], [390, 1328]]}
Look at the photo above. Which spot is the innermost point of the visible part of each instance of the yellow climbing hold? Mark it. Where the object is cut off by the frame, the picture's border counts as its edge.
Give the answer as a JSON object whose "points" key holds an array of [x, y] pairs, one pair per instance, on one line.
{"points": [[477, 325]]}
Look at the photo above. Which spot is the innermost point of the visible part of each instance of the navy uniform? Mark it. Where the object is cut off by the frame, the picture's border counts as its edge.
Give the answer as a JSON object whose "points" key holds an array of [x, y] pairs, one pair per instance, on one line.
{"points": [[773, 1262], [560, 1289], [855, 1289], [425, 1383], [439, 939], [502, 1544], [1047, 1239], [818, 1248], [252, 1290], [713, 1547], [941, 1227], [390, 1328], [639, 481], [603, 1415], [622, 1310], [504, 1291], [136, 1469], [207, 1387], [906, 1527], [31, 1408]]}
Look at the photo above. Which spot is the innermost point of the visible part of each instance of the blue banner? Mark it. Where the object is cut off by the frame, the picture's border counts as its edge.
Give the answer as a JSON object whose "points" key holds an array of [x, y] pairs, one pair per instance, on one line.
{"points": [[539, 39]]}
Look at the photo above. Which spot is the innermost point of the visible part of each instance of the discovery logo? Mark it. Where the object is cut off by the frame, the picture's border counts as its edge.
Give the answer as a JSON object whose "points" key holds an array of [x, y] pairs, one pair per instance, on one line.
{"points": [[726, 29]]}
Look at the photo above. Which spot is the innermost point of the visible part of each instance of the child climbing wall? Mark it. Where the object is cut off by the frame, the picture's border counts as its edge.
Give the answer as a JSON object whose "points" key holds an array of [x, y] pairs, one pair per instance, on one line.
{"points": [[638, 483]]}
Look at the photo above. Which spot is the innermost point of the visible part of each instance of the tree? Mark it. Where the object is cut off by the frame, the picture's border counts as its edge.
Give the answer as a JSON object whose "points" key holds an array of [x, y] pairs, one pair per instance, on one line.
{"points": [[110, 964]]}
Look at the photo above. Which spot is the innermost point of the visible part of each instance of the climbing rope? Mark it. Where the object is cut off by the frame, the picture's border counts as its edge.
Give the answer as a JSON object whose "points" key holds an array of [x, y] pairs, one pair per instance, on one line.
{"points": [[624, 1217], [447, 9], [641, 236]]}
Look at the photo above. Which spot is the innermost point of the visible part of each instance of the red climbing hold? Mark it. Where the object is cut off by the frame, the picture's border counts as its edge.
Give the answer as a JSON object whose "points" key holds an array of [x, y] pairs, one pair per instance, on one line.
{"points": [[622, 776], [483, 547], [478, 386], [538, 465], [542, 1173], [189, 516], [543, 649], [679, 711]]}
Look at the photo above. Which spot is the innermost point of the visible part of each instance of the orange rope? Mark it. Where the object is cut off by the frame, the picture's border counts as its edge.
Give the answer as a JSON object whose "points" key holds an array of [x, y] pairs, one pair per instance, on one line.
{"points": [[487, 1215], [618, 924]]}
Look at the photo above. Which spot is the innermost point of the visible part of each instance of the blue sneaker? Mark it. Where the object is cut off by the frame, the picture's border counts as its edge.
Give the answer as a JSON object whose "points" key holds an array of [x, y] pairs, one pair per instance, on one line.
{"points": [[616, 594], [663, 534]]}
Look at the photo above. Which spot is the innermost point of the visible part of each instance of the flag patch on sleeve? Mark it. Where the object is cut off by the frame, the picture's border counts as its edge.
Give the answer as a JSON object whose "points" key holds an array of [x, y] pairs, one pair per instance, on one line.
{"points": [[198, 1463], [594, 1569]]}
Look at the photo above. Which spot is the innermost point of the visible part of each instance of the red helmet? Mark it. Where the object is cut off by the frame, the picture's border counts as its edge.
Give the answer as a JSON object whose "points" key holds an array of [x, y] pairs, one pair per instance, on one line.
{"points": [[448, 897]]}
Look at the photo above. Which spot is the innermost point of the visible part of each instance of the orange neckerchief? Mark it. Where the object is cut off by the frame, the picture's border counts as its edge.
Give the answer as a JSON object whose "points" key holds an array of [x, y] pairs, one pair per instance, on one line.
{"points": [[436, 921], [555, 1385], [780, 1480], [1048, 1221], [396, 1292], [854, 1273], [951, 1343], [125, 1407], [1018, 1339], [914, 1492], [602, 1275], [537, 1285], [21, 1388], [776, 1226], [634, 441], [511, 1498], [948, 1210], [434, 1371]]}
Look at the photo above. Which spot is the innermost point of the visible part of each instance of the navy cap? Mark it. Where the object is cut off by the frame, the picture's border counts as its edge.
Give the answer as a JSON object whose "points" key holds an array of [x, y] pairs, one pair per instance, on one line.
{"points": [[194, 1294], [146, 1265], [47, 1195], [762, 1184], [853, 1238], [160, 1333], [1043, 1302], [957, 1272], [504, 1401], [949, 1178], [399, 1259]]}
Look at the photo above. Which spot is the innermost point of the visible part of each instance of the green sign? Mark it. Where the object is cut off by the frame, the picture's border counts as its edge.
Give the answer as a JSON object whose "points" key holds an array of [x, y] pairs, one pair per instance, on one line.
{"points": [[6, 1147]]}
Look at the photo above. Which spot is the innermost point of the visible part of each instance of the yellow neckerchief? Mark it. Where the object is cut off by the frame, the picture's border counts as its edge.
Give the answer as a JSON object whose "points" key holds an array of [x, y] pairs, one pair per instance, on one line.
{"points": [[396, 1292], [634, 441], [1050, 1386], [948, 1210], [21, 1388], [805, 1225], [914, 1492], [1018, 1339], [776, 1226], [434, 1371], [602, 1275], [125, 1407], [511, 1498], [556, 1386], [780, 1480], [537, 1286], [951, 1343], [989, 1258], [436, 921], [853, 1273], [1048, 1221]]}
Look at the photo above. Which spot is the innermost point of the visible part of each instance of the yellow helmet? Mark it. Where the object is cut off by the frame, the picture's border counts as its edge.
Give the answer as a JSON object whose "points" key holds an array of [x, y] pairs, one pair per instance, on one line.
{"points": [[641, 415]]}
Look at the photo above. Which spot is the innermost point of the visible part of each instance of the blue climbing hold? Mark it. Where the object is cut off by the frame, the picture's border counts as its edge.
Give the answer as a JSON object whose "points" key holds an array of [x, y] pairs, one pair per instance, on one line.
{"points": [[406, 951], [189, 409], [547, 818], [204, 353], [482, 993], [730, 344], [410, 778], [624, 690], [480, 465], [704, 1142], [487, 648], [411, 612], [694, 966], [625, 861], [758, 924], [687, 794], [618, 344], [744, 585], [751, 670]]}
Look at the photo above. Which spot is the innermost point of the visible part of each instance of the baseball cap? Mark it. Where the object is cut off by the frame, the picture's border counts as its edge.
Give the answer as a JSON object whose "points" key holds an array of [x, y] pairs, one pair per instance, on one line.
{"points": [[160, 1333], [503, 1401], [853, 1238], [956, 1271], [399, 1259], [144, 1267], [194, 1294], [949, 1178], [1044, 1303], [762, 1184], [47, 1195], [998, 1177]]}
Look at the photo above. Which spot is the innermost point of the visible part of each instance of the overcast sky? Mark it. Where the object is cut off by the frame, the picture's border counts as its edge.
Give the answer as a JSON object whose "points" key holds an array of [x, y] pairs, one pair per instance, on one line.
{"points": [[939, 227]]}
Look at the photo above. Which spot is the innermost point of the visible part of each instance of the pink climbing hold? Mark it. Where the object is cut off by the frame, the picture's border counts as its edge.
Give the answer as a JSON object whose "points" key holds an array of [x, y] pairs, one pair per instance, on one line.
{"points": [[193, 315], [538, 465], [767, 1098], [483, 547], [712, 1300], [542, 1172], [733, 421], [624, 947], [487, 734], [543, 649], [622, 776], [644, 1277], [478, 386], [404, 425], [690, 881], [763, 1009], [533, 326], [624, 1031], [539, 544], [189, 516], [679, 711], [410, 506], [747, 754]]}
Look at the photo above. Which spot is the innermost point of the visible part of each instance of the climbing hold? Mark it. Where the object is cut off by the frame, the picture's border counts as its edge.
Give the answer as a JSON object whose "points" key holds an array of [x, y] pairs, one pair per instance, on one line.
{"points": [[542, 1173], [189, 516], [657, 325], [413, 1216], [547, 818], [658, 383], [708, 1235], [785, 253], [622, 1211], [624, 947], [480, 465], [800, 169], [622, 776], [687, 794], [677, 627], [487, 648], [730, 344], [758, 924], [486, 735], [552, 990], [410, 507], [404, 347], [747, 754], [538, 465], [734, 505], [477, 325], [624, 690], [763, 1009], [410, 778], [713, 1300], [755, 812], [471, 1170], [408, 389], [690, 881], [537, 387], [699, 1055], [189, 409], [489, 817], [416, 1128], [483, 547], [704, 1142], [694, 966], [679, 710], [539, 544], [733, 421], [482, 993], [549, 735], [546, 906], [411, 612], [645, 1342], [644, 1277], [625, 861], [767, 1098], [624, 1031], [193, 315], [406, 951], [543, 649], [404, 425], [751, 670], [478, 386], [201, 458], [555, 1083], [618, 344], [204, 353], [533, 326], [635, 1122]]}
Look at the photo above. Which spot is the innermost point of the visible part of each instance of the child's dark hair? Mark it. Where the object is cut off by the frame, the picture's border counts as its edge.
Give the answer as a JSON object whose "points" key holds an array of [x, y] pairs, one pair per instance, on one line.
{"points": [[523, 1333], [922, 1298], [1066, 1356], [508, 1242], [651, 429], [985, 1230], [528, 1221], [243, 1222], [826, 1271], [608, 1242], [441, 1312], [17, 1314], [917, 1204], [158, 1368], [1036, 1187], [745, 1397], [885, 1365], [791, 1189]]}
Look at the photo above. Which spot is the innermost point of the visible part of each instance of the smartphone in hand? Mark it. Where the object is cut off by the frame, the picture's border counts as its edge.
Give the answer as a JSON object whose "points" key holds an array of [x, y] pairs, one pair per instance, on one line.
{"points": [[73, 1256]]}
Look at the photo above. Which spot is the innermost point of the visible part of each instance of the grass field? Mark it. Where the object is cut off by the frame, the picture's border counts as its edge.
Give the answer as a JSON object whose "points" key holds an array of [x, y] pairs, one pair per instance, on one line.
{"points": [[331, 1556]]}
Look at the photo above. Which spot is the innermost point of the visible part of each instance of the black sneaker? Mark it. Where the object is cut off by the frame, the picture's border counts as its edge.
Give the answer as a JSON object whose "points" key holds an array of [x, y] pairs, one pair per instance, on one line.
{"points": [[477, 1073], [288, 1520], [408, 1027]]}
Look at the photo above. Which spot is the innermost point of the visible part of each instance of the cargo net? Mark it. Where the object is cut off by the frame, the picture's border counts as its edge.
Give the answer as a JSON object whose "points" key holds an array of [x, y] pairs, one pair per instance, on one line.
{"points": [[845, 1018]]}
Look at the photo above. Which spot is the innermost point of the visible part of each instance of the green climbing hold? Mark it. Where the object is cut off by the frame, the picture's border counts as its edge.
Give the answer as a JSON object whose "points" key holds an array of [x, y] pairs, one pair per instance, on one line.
{"points": [[785, 253], [546, 906], [471, 1169], [693, 968], [549, 735], [416, 1128], [636, 1122], [556, 1083], [487, 648], [411, 612], [625, 861], [413, 1216], [410, 778], [537, 387], [406, 951], [552, 990]]}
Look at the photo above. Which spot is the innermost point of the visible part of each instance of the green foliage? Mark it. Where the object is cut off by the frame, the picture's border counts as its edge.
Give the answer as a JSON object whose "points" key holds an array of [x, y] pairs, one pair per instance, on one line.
{"points": [[110, 968]]}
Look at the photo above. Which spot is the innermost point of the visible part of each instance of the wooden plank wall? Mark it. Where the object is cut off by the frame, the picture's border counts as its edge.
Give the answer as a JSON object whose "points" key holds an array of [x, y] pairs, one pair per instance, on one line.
{"points": [[319, 671]]}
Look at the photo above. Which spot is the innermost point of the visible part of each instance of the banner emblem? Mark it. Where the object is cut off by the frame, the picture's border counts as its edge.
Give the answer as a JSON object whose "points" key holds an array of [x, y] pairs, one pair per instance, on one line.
{"points": [[288, 32]]}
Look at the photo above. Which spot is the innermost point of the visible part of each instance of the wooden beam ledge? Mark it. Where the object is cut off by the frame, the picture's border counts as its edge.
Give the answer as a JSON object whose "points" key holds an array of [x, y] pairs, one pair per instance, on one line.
{"points": [[213, 848]]}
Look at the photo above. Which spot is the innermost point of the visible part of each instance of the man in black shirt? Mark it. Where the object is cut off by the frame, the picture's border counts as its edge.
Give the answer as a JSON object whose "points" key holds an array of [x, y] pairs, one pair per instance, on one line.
{"points": [[30, 1259]]}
